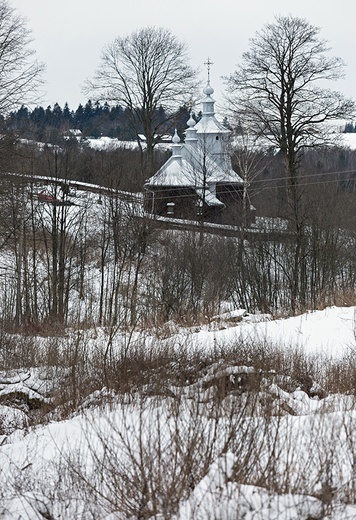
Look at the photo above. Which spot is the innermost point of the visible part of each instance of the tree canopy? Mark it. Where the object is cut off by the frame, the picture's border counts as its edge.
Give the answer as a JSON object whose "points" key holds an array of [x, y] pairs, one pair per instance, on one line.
{"points": [[279, 92], [279, 88], [144, 71], [20, 74]]}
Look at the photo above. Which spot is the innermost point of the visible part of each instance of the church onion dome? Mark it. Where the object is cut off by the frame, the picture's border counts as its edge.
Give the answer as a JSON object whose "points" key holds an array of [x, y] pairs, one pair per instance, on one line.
{"points": [[208, 102], [175, 138], [176, 145], [191, 121], [208, 91], [191, 132]]}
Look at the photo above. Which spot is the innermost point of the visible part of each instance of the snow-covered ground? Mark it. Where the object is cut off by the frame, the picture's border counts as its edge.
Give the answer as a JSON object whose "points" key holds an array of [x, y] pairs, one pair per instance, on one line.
{"points": [[330, 332], [109, 143], [100, 463], [349, 140]]}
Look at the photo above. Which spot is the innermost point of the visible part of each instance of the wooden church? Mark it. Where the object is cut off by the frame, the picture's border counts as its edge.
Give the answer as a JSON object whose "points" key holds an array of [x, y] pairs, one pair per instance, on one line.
{"points": [[198, 181]]}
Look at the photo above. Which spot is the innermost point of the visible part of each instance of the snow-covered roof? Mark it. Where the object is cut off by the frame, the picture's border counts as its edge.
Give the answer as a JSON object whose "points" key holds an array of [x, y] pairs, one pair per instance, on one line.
{"points": [[75, 131], [176, 172], [209, 198], [215, 173], [189, 172], [210, 125]]}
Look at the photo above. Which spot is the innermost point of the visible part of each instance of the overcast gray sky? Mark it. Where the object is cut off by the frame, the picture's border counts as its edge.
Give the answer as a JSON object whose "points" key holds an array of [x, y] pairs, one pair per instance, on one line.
{"points": [[70, 34]]}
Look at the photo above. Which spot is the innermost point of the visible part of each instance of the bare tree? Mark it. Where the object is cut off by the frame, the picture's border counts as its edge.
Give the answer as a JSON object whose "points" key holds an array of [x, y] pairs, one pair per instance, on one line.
{"points": [[20, 74], [279, 90], [277, 87], [145, 71]]}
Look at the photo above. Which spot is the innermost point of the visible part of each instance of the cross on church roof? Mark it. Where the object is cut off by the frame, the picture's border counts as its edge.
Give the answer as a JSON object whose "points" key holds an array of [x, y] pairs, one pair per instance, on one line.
{"points": [[208, 63]]}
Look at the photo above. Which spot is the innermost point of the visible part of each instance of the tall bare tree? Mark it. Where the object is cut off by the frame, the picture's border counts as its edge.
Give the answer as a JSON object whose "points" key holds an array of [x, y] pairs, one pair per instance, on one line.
{"points": [[20, 73], [144, 71], [279, 90]]}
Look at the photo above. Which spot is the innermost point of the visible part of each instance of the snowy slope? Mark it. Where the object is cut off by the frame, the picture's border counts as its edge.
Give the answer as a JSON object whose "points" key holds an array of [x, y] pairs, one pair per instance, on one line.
{"points": [[78, 468], [330, 332]]}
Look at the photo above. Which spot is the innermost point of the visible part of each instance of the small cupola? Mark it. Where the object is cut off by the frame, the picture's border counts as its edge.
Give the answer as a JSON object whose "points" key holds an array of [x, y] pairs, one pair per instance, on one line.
{"points": [[191, 131], [176, 146]]}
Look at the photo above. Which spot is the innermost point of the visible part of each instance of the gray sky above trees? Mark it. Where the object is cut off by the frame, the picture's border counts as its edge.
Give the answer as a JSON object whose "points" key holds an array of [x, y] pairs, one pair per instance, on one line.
{"points": [[70, 34]]}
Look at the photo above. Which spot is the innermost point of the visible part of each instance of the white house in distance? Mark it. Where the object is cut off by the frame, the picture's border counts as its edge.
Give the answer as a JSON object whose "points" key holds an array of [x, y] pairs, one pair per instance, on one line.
{"points": [[198, 179]]}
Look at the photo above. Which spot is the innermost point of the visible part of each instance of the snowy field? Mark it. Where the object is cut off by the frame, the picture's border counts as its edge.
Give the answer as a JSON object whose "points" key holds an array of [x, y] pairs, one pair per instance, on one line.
{"points": [[349, 141], [297, 464], [330, 332]]}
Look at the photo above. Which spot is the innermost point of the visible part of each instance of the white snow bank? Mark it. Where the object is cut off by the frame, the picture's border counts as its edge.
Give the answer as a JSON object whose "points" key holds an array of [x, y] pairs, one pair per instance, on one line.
{"points": [[330, 332]]}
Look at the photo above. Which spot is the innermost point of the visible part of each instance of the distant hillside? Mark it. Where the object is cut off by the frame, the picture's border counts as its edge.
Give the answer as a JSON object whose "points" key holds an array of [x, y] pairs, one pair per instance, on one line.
{"points": [[93, 120]]}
